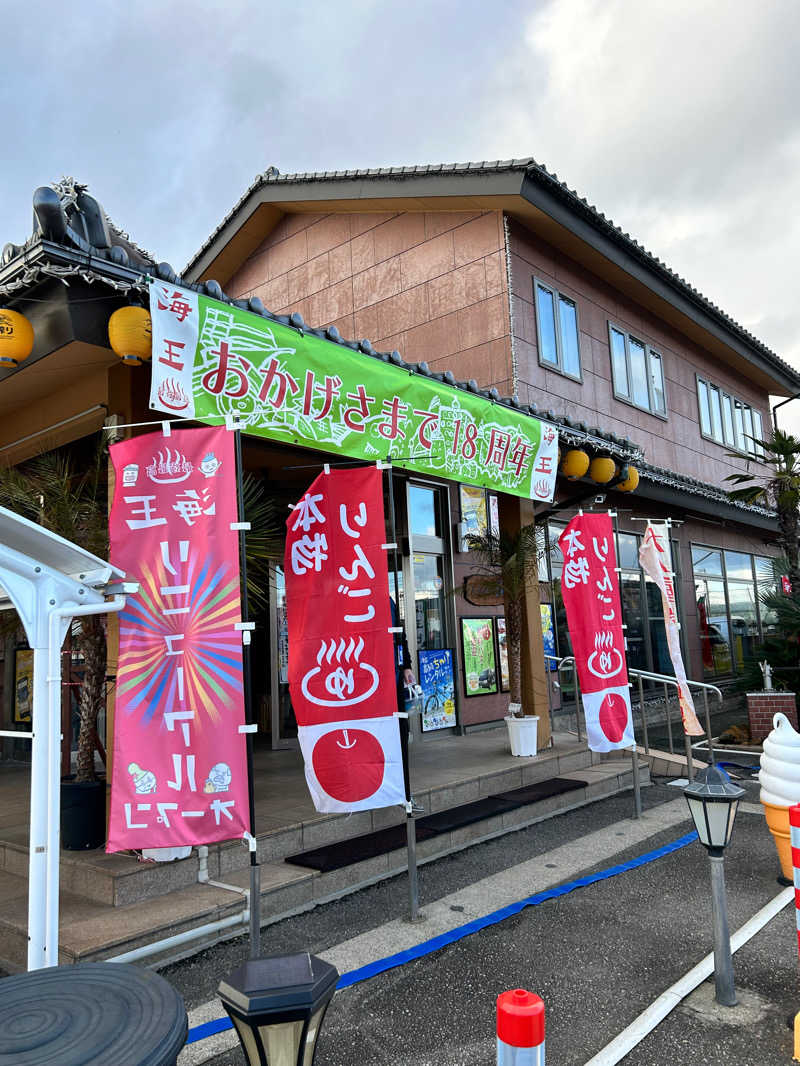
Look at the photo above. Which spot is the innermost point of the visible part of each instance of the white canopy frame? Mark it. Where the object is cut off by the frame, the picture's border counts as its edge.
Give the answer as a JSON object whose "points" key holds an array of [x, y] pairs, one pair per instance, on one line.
{"points": [[49, 581]]}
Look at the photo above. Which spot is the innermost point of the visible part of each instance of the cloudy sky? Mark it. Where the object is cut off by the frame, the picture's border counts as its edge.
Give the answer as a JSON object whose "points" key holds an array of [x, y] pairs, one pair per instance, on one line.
{"points": [[676, 118]]}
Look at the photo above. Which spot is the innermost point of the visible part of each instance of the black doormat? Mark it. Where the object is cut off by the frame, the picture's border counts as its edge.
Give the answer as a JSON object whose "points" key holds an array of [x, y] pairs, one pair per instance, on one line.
{"points": [[368, 846], [540, 790]]}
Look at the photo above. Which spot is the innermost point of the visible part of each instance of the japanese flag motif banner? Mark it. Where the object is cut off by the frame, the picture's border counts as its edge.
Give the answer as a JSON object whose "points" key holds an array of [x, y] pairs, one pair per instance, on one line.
{"points": [[590, 591], [180, 766], [341, 649], [211, 359], [655, 559]]}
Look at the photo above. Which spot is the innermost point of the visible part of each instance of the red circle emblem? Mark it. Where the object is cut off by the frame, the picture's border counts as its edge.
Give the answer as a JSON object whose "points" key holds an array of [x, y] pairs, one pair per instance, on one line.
{"points": [[349, 764], [613, 717]]}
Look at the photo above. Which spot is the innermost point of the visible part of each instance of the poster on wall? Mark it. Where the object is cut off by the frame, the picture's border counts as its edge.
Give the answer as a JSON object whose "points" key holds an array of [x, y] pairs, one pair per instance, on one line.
{"points": [[341, 643], [590, 590], [437, 682], [23, 685], [473, 511], [180, 759], [494, 516], [502, 654], [548, 636], [480, 668]]}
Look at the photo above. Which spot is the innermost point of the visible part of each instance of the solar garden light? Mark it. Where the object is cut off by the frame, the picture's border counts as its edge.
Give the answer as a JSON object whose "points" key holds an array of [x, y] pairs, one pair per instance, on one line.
{"points": [[277, 1005], [713, 802]]}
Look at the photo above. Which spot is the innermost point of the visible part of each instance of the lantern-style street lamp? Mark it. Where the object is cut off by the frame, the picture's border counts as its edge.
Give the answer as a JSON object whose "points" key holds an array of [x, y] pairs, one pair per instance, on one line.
{"points": [[713, 802], [277, 1005]]}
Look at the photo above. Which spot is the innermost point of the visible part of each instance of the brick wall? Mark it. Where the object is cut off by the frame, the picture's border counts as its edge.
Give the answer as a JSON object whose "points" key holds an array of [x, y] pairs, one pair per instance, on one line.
{"points": [[761, 706]]}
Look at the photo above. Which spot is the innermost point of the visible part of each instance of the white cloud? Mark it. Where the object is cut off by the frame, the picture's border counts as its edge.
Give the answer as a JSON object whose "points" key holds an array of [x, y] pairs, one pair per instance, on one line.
{"points": [[676, 118]]}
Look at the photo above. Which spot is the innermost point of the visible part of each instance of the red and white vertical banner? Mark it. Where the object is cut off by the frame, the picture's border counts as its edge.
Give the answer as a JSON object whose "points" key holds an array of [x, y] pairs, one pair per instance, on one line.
{"points": [[590, 591], [794, 840], [175, 317], [655, 559], [341, 647], [180, 762]]}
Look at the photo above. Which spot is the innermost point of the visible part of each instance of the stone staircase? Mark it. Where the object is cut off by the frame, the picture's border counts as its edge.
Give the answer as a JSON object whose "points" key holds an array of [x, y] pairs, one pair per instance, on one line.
{"points": [[113, 904]]}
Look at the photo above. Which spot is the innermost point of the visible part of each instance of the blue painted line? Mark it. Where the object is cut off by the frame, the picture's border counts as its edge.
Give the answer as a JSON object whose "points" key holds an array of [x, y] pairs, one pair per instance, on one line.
{"points": [[201, 1032], [427, 947]]}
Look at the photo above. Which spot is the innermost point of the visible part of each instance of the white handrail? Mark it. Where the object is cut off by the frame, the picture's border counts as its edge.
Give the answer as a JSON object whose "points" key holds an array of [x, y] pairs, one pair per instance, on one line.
{"points": [[665, 679], [670, 680]]}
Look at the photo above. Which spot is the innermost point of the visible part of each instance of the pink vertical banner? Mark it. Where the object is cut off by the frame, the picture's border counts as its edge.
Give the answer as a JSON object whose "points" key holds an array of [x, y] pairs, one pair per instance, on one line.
{"points": [[180, 765], [590, 591]]}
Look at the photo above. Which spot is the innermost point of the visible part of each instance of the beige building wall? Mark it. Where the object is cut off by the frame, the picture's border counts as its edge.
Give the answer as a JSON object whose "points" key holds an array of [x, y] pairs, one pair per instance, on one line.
{"points": [[431, 284]]}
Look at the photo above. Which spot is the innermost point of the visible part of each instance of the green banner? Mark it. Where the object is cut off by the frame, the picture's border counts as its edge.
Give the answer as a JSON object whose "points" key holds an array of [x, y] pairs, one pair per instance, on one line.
{"points": [[212, 360]]}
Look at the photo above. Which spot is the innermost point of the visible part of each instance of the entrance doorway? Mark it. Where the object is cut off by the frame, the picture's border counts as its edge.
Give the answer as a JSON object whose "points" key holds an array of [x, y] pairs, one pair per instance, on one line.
{"points": [[428, 574]]}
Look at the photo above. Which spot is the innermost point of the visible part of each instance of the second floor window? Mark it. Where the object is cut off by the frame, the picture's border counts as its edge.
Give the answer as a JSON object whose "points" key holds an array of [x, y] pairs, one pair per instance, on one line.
{"points": [[557, 330], [727, 420], [638, 372]]}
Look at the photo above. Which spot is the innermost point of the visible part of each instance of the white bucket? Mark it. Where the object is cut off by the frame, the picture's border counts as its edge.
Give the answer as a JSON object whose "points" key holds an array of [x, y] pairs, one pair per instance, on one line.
{"points": [[522, 733]]}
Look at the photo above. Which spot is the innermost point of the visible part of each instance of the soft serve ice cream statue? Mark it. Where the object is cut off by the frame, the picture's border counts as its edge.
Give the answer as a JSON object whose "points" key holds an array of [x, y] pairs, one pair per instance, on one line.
{"points": [[780, 785]]}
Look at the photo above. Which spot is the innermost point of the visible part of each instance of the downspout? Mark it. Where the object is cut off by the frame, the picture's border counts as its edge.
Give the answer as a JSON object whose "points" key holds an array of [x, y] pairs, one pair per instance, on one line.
{"points": [[511, 334]]}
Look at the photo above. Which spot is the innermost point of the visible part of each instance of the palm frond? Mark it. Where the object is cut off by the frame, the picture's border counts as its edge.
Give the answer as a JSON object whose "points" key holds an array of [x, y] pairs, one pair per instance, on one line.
{"points": [[266, 539]]}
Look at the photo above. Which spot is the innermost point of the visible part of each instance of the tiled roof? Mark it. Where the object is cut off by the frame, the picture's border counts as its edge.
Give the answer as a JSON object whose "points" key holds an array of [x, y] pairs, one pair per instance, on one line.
{"points": [[538, 173], [694, 487]]}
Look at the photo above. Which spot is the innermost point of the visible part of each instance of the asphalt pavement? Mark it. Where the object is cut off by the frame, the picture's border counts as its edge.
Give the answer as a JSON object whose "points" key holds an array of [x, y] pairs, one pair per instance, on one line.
{"points": [[598, 956]]}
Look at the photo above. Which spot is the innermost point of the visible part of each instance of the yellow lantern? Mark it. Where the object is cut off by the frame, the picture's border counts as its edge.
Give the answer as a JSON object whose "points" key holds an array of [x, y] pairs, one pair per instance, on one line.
{"points": [[631, 482], [16, 338], [575, 464], [130, 333], [602, 469]]}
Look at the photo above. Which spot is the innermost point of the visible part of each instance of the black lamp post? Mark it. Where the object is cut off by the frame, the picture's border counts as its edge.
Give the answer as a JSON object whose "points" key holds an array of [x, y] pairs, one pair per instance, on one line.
{"points": [[713, 802], [277, 1005]]}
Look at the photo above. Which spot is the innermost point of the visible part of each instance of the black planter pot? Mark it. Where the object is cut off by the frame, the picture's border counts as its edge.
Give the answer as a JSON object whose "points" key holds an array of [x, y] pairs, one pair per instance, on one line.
{"points": [[83, 814]]}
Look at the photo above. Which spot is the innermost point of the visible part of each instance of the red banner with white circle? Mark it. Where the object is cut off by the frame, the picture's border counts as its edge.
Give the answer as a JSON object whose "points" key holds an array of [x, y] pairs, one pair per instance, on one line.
{"points": [[590, 591], [341, 646]]}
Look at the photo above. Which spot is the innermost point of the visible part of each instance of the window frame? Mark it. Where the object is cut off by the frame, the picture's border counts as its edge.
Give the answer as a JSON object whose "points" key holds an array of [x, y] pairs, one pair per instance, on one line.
{"points": [[728, 439], [754, 582], [557, 296], [649, 351]]}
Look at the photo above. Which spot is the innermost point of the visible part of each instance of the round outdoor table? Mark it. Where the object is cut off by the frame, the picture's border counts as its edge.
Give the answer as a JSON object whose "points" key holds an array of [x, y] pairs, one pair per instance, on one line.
{"points": [[91, 1014]]}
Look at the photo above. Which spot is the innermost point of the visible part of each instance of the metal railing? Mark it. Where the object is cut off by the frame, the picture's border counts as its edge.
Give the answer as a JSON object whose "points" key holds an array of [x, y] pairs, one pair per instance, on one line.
{"points": [[666, 681]]}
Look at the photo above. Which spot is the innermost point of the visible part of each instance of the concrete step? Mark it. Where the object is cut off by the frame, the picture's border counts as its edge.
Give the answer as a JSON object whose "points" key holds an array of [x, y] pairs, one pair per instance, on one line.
{"points": [[94, 930], [121, 879], [667, 763]]}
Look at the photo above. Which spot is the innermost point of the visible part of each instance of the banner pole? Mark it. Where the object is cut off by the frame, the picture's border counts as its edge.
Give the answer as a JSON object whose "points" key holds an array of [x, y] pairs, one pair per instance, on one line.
{"points": [[255, 869], [637, 788], [405, 724]]}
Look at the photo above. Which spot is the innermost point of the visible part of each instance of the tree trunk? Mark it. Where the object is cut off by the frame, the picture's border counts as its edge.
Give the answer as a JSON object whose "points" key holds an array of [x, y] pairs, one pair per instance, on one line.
{"points": [[514, 637], [788, 525], [92, 645]]}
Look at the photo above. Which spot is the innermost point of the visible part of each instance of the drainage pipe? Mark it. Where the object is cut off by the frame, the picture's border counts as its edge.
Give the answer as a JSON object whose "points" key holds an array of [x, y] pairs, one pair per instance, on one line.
{"points": [[204, 879], [242, 918]]}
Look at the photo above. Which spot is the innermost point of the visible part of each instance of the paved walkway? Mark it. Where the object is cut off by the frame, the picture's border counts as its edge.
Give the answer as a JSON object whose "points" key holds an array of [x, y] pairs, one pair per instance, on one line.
{"points": [[599, 956], [111, 904]]}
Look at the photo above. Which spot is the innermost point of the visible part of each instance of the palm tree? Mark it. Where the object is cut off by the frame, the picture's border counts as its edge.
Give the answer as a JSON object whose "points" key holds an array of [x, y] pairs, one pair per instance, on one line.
{"points": [[67, 493], [506, 565], [266, 540], [778, 486]]}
